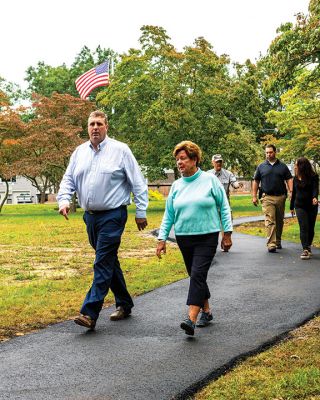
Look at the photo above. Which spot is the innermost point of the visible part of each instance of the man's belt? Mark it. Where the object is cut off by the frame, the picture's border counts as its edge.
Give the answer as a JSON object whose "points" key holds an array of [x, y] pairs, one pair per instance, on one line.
{"points": [[96, 211], [92, 212]]}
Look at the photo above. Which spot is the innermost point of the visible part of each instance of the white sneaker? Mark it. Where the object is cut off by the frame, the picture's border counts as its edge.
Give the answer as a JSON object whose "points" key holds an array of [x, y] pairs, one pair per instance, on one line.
{"points": [[305, 255]]}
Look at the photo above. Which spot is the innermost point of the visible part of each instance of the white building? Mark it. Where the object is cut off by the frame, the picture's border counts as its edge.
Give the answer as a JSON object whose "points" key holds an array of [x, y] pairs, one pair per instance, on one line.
{"points": [[20, 191]]}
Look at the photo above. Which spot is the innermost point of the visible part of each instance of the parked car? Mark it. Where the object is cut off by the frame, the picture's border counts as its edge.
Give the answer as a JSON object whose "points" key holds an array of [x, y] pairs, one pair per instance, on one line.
{"points": [[24, 198]]}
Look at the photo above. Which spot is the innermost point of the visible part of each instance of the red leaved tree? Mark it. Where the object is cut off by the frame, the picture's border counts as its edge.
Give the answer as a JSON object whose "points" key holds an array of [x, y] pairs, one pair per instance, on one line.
{"points": [[11, 129], [56, 125]]}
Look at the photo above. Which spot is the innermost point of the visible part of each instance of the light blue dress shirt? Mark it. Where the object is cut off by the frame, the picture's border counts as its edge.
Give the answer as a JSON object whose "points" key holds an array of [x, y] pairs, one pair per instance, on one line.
{"points": [[104, 178]]}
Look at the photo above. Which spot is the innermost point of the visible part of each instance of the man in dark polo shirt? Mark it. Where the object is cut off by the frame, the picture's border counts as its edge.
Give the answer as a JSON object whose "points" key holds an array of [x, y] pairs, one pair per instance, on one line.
{"points": [[275, 181]]}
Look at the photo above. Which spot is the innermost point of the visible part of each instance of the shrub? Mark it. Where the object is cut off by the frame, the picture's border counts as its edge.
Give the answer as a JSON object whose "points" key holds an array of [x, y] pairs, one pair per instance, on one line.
{"points": [[155, 195]]}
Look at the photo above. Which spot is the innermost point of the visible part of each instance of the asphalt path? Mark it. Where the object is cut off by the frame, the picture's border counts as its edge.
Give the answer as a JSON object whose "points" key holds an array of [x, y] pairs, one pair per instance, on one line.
{"points": [[257, 297]]}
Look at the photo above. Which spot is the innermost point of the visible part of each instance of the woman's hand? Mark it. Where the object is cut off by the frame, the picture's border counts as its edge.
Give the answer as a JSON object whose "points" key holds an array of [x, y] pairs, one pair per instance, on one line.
{"points": [[226, 241], [161, 248]]}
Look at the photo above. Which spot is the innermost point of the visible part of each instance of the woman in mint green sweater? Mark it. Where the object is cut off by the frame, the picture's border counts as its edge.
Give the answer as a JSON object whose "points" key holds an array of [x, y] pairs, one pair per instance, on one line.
{"points": [[196, 204]]}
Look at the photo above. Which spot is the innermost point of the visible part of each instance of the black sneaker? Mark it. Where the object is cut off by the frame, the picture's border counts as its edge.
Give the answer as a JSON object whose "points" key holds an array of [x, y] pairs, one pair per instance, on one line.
{"points": [[272, 249], [204, 320], [188, 326]]}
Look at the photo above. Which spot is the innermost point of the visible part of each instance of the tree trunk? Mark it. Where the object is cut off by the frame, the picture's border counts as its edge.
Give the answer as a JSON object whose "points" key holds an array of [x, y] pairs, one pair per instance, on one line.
{"points": [[176, 173], [42, 197], [73, 204], [5, 195]]}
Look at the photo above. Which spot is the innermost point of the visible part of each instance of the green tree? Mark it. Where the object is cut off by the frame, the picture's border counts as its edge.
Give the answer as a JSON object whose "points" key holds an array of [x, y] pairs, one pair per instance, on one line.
{"points": [[159, 97], [296, 47], [299, 121], [11, 129], [11, 92], [45, 79], [292, 76]]}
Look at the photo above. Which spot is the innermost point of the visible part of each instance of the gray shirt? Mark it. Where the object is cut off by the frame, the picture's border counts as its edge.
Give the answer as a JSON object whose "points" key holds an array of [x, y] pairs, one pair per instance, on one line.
{"points": [[226, 178]]}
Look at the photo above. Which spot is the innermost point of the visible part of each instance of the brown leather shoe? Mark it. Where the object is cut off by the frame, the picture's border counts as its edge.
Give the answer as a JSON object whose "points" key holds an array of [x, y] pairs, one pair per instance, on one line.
{"points": [[86, 321], [120, 313]]}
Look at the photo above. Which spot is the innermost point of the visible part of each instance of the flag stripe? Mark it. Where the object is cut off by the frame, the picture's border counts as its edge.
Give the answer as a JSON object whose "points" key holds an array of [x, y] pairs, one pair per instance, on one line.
{"points": [[95, 77], [88, 88], [90, 80], [83, 76], [98, 84]]}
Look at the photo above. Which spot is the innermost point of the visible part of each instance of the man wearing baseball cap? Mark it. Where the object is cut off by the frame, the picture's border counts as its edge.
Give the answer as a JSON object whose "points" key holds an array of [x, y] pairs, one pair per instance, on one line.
{"points": [[225, 177]]}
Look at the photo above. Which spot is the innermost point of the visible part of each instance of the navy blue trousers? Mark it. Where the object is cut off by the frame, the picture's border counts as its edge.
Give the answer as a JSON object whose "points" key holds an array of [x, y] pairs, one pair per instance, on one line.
{"points": [[198, 252], [104, 231]]}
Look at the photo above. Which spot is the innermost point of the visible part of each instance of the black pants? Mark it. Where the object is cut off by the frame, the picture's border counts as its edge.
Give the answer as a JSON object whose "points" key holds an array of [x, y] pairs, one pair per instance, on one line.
{"points": [[307, 221], [198, 252]]}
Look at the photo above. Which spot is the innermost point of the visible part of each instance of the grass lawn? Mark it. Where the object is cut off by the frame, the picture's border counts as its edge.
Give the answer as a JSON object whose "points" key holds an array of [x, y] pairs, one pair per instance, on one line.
{"points": [[46, 269]]}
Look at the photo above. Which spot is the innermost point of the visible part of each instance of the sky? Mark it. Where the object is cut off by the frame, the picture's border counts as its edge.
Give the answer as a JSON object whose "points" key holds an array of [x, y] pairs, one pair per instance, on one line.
{"points": [[55, 31]]}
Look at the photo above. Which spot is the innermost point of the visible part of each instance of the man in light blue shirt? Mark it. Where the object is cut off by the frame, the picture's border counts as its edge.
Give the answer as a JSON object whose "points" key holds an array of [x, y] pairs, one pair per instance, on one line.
{"points": [[104, 172]]}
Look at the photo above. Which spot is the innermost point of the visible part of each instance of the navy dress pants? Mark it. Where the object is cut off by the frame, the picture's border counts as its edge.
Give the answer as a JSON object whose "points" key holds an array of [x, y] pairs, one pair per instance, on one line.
{"points": [[104, 231], [198, 252]]}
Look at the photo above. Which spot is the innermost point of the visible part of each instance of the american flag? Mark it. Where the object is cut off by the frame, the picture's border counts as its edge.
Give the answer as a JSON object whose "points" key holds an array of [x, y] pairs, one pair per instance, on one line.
{"points": [[95, 77]]}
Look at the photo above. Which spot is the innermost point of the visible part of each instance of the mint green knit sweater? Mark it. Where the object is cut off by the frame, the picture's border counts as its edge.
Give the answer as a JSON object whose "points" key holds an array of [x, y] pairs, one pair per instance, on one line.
{"points": [[196, 205]]}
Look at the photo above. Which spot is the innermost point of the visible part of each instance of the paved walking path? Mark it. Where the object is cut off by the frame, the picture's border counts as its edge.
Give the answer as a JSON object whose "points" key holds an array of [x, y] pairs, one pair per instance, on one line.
{"points": [[256, 297]]}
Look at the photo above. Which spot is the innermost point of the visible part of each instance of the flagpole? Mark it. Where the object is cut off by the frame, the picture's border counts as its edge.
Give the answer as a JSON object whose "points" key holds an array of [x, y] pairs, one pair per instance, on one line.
{"points": [[112, 66], [112, 73]]}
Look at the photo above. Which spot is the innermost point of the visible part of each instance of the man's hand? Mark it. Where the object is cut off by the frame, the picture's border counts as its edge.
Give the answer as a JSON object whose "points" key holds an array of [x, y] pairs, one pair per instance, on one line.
{"points": [[141, 223], [64, 211], [255, 200], [315, 201], [226, 241], [161, 248]]}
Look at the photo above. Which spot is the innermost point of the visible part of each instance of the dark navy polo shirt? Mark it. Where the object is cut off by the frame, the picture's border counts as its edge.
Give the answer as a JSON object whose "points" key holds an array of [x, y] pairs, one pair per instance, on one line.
{"points": [[273, 177]]}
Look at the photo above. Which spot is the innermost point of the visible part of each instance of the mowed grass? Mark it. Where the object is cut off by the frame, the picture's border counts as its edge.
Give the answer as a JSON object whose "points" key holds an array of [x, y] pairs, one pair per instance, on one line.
{"points": [[46, 264]]}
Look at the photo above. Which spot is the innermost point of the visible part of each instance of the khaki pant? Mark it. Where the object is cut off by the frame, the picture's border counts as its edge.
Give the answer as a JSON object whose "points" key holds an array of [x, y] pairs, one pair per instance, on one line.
{"points": [[273, 209]]}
